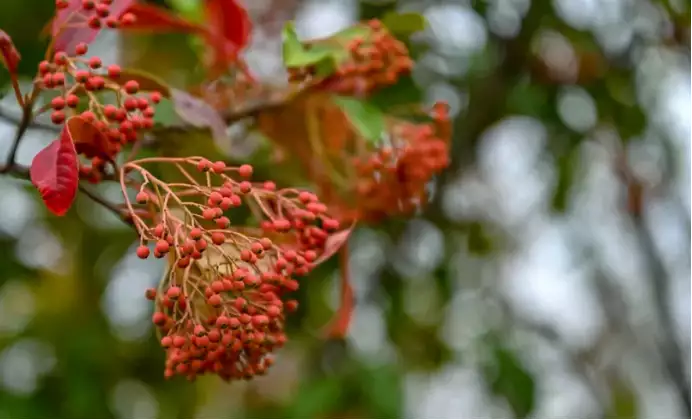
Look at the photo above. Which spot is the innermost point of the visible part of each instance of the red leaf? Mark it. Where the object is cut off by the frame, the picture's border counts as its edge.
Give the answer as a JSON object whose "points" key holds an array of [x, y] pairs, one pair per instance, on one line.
{"points": [[67, 38], [152, 18], [334, 244], [8, 53], [55, 172], [338, 327], [229, 28]]}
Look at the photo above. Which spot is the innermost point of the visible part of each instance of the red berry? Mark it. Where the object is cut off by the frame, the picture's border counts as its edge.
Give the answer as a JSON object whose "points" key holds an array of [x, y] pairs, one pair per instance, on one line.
{"points": [[81, 76], [166, 342], [81, 48], [131, 87], [58, 103], [173, 292], [60, 58], [150, 293], [58, 117], [159, 318], [128, 19], [94, 22], [196, 233], [155, 97], [72, 100], [215, 300], [162, 246], [114, 71], [245, 187], [245, 171], [218, 238], [142, 197], [143, 251], [218, 167], [95, 62]]}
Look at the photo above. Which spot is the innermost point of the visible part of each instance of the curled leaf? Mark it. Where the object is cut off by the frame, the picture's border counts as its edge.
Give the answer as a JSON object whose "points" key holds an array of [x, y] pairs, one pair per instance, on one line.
{"points": [[88, 140], [334, 243], [55, 173], [195, 111], [228, 31], [8, 53], [156, 19], [69, 27]]}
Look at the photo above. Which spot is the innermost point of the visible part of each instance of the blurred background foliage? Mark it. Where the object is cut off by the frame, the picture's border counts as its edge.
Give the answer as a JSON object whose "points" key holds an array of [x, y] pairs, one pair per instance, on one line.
{"points": [[550, 276]]}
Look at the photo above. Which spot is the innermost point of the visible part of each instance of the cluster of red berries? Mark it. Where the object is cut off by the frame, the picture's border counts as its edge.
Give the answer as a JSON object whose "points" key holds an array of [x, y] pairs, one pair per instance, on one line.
{"points": [[95, 14], [77, 79], [376, 59], [223, 307], [393, 179]]}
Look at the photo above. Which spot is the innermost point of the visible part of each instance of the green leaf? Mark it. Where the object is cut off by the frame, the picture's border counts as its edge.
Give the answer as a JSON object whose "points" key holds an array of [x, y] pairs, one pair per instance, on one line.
{"points": [[507, 377], [364, 116], [295, 54], [189, 9], [404, 24]]}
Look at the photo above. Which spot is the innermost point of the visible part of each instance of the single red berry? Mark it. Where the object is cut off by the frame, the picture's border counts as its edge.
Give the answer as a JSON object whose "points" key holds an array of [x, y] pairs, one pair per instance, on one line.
{"points": [[223, 222], [58, 78], [203, 165], [245, 171], [58, 117], [81, 48], [131, 87], [62, 4], [112, 23], [95, 62], [162, 246], [128, 19], [102, 10], [57, 103], [218, 166], [245, 187], [143, 251], [150, 293], [208, 214], [114, 71], [173, 292], [196, 233], [159, 318], [88, 116], [88, 4], [82, 76], [178, 341], [142, 197], [109, 111], [44, 67], [218, 238], [166, 342], [94, 22], [60, 58], [215, 300], [72, 100], [155, 97]]}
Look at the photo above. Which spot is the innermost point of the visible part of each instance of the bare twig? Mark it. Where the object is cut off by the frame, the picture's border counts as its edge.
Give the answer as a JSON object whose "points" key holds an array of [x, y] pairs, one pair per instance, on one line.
{"points": [[659, 281]]}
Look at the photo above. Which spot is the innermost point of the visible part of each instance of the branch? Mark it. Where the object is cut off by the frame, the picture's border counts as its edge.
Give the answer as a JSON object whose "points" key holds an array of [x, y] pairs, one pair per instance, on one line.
{"points": [[659, 281]]}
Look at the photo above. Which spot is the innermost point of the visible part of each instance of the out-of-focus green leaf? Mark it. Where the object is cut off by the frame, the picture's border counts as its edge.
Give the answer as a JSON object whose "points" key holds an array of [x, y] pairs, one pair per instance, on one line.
{"points": [[624, 402], [382, 389], [507, 377], [404, 92], [404, 24], [478, 240], [527, 99], [295, 54], [365, 117], [189, 9], [316, 398]]}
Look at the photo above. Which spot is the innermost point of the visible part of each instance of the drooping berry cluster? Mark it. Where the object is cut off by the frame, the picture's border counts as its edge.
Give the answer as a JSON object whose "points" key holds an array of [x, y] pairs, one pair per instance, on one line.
{"points": [[80, 83], [94, 14], [374, 59], [221, 308]]}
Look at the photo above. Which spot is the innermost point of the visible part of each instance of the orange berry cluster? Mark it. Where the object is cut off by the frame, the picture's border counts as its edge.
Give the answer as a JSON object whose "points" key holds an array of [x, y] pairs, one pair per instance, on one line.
{"points": [[375, 60], [393, 180], [96, 14], [222, 308], [112, 126]]}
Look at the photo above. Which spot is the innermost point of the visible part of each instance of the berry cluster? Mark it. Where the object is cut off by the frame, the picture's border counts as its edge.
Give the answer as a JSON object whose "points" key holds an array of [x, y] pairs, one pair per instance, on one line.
{"points": [[78, 81], [375, 59], [393, 180], [94, 14], [222, 307]]}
